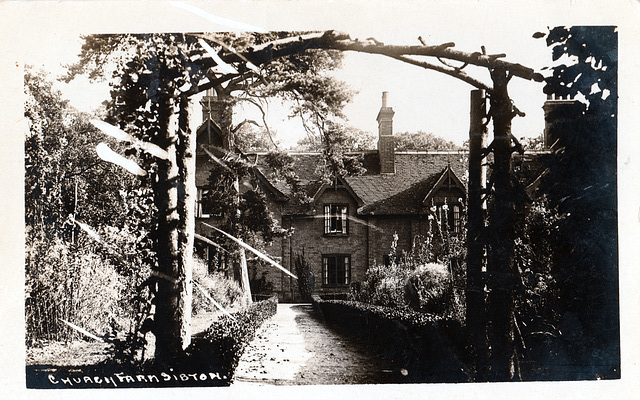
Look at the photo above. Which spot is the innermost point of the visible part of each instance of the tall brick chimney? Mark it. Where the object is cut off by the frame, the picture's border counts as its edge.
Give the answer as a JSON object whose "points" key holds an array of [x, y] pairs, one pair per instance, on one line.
{"points": [[559, 112], [386, 148]]}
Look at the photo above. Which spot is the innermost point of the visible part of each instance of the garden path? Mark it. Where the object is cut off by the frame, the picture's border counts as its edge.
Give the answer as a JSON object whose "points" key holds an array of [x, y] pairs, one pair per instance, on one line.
{"points": [[295, 347]]}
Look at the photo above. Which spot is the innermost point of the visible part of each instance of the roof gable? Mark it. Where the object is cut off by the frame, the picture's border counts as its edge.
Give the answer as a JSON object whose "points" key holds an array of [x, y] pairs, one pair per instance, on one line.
{"points": [[447, 179], [340, 183]]}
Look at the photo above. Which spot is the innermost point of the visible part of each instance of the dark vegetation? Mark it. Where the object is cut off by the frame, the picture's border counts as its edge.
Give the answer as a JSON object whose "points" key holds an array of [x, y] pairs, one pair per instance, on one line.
{"points": [[210, 360], [222, 344], [422, 345]]}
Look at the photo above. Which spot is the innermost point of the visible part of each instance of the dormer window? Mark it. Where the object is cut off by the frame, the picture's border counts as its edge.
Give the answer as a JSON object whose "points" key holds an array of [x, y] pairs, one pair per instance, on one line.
{"points": [[335, 219], [450, 216]]}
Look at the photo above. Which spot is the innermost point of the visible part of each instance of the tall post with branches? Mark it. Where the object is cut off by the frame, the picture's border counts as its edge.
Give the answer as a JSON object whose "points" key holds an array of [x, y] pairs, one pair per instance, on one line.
{"points": [[475, 297]]}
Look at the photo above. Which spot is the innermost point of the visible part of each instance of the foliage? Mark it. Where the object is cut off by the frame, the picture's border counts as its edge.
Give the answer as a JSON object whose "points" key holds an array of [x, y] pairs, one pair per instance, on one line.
{"points": [[283, 168], [430, 278], [351, 140], [250, 138], [225, 340], [581, 188], [537, 288], [304, 274], [69, 275], [222, 289], [71, 283], [240, 214], [428, 346], [260, 286], [422, 141]]}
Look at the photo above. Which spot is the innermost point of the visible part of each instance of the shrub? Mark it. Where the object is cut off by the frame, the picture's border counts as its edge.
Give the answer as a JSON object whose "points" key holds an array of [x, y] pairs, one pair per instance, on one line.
{"points": [[432, 287], [304, 282], [428, 346], [222, 289], [413, 279], [384, 285], [73, 283], [223, 343]]}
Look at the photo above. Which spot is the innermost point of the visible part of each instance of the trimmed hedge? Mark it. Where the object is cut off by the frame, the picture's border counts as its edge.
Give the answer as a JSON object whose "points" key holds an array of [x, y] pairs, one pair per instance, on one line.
{"points": [[425, 347], [222, 344]]}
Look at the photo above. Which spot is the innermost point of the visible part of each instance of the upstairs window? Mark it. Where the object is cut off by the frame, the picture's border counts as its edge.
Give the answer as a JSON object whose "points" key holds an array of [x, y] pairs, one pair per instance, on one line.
{"points": [[336, 269], [335, 219], [201, 210], [450, 217]]}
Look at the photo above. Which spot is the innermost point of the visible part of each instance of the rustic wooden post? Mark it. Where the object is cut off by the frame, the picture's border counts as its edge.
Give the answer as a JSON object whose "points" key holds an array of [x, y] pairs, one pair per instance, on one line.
{"points": [[475, 297], [501, 235], [223, 114], [173, 314]]}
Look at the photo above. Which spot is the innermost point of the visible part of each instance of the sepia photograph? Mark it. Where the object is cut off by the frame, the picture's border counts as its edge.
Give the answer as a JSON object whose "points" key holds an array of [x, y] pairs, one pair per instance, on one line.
{"points": [[387, 198]]}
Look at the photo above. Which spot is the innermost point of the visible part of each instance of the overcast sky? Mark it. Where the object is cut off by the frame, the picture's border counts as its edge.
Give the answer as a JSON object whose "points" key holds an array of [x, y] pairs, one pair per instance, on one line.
{"points": [[422, 99]]}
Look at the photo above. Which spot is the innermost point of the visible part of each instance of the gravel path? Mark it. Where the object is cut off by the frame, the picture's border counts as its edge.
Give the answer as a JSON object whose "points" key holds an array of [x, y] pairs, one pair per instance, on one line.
{"points": [[296, 348]]}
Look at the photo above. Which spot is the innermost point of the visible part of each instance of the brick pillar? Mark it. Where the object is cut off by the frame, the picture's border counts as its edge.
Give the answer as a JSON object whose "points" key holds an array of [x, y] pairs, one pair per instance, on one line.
{"points": [[386, 147]]}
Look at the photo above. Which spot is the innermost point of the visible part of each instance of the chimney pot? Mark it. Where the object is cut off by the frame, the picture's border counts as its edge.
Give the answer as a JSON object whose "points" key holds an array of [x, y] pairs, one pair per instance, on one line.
{"points": [[384, 99]]}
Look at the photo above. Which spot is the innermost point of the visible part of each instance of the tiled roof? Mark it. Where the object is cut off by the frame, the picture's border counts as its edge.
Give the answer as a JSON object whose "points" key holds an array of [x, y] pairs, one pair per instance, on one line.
{"points": [[404, 202], [381, 194], [399, 193]]}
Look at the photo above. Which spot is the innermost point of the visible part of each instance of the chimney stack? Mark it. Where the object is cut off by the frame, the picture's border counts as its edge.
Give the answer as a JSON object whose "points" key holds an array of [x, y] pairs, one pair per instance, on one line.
{"points": [[386, 146], [559, 113]]}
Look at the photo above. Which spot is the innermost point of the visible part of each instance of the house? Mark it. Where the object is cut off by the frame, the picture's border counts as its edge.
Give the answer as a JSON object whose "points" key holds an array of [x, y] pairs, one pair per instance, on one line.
{"points": [[351, 223]]}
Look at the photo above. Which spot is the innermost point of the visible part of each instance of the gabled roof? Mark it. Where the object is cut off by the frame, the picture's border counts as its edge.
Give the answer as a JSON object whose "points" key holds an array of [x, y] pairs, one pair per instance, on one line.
{"points": [[399, 193], [447, 179], [404, 202], [340, 184]]}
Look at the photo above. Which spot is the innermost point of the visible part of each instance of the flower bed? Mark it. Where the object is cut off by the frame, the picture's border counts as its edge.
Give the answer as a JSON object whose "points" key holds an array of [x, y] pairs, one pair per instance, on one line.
{"points": [[424, 347]]}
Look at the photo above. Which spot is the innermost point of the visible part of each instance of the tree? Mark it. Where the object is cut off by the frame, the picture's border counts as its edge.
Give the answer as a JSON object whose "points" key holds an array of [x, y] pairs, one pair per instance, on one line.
{"points": [[351, 140], [423, 141], [66, 185], [155, 76], [581, 188]]}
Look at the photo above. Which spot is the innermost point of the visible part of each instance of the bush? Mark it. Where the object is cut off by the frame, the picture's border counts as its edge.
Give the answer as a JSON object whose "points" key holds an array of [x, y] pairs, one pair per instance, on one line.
{"points": [[223, 343], [420, 279], [384, 285], [429, 288], [73, 283], [222, 289], [427, 346]]}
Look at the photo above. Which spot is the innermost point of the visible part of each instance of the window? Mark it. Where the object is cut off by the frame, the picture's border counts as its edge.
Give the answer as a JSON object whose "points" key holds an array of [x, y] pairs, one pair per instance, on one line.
{"points": [[451, 216], [335, 219], [201, 210], [456, 220], [336, 269]]}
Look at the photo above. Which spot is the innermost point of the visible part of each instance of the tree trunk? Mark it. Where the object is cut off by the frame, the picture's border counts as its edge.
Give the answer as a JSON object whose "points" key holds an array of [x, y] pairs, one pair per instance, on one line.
{"points": [[475, 297], [174, 199], [223, 114], [187, 193], [501, 235]]}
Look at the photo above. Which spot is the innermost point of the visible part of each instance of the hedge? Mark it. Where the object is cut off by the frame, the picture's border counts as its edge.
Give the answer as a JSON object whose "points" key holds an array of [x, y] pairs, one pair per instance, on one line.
{"points": [[222, 344], [425, 347]]}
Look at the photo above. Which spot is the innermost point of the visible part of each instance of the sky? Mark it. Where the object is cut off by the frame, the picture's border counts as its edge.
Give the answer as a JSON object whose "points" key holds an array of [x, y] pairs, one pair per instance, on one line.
{"points": [[422, 99]]}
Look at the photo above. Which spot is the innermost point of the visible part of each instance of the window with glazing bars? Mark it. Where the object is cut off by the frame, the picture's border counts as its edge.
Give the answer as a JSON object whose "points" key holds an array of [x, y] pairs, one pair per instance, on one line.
{"points": [[201, 210], [336, 269], [335, 219]]}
